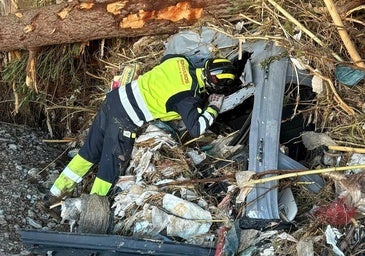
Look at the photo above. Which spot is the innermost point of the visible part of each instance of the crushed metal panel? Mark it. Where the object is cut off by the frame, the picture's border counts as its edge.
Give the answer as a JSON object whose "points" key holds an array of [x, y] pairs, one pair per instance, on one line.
{"points": [[237, 98], [269, 72]]}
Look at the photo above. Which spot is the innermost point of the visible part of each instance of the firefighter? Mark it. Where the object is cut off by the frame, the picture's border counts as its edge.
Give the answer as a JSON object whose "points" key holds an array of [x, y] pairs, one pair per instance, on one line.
{"points": [[170, 91]]}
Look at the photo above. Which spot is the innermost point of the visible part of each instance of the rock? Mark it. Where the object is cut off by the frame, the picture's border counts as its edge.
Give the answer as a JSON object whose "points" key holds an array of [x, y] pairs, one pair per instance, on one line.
{"points": [[34, 224], [23, 153]]}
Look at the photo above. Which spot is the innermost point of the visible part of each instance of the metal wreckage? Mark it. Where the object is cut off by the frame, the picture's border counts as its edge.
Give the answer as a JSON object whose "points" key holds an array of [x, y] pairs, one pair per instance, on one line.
{"points": [[186, 197]]}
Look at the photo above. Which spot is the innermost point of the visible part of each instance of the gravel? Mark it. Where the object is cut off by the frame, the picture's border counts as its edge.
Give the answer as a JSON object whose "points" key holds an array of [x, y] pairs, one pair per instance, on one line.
{"points": [[28, 168]]}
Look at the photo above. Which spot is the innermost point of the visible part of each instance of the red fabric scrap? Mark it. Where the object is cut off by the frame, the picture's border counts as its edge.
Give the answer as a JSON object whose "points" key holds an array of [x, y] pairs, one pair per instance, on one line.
{"points": [[336, 213]]}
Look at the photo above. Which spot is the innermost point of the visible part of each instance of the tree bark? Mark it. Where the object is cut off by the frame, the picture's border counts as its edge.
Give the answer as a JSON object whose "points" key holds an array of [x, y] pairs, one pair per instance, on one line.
{"points": [[80, 21], [7, 6]]}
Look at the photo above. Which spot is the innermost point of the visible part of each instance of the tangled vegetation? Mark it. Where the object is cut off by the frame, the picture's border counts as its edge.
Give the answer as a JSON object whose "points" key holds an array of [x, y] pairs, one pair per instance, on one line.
{"points": [[71, 80]]}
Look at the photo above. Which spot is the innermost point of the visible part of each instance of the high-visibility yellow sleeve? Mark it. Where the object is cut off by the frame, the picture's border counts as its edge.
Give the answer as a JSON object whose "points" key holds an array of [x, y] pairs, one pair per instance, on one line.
{"points": [[100, 187], [79, 165]]}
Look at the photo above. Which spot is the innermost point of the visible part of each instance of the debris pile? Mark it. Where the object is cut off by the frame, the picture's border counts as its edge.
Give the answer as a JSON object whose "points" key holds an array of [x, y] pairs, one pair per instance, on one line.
{"points": [[167, 194], [216, 190], [282, 172], [158, 193]]}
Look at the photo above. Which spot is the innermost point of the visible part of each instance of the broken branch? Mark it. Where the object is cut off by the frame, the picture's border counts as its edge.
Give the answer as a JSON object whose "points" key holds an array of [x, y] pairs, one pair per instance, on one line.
{"points": [[31, 80], [350, 47], [347, 149], [55, 205]]}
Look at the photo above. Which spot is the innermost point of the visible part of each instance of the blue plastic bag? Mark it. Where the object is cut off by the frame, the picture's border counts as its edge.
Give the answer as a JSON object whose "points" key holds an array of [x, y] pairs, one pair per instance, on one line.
{"points": [[348, 75]]}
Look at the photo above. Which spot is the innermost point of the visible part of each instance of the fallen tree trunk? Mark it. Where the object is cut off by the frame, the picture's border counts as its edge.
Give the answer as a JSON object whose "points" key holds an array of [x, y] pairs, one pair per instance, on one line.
{"points": [[80, 21]]}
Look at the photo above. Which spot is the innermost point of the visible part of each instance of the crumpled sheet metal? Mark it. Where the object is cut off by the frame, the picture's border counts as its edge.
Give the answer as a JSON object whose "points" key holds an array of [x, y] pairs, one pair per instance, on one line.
{"points": [[237, 98], [269, 80], [270, 74]]}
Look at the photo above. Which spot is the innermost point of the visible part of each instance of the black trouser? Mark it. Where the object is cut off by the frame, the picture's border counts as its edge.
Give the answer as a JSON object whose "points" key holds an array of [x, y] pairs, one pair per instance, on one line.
{"points": [[105, 144]]}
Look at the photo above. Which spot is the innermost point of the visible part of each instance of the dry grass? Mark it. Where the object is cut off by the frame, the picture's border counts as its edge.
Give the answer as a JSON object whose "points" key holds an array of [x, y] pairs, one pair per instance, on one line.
{"points": [[102, 60], [69, 103]]}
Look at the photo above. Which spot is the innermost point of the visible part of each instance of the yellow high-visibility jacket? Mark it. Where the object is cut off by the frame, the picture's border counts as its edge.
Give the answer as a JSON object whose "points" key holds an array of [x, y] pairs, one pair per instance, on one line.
{"points": [[170, 91]]}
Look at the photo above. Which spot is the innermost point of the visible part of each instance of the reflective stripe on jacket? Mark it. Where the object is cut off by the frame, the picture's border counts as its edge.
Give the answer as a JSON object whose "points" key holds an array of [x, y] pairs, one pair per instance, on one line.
{"points": [[170, 91]]}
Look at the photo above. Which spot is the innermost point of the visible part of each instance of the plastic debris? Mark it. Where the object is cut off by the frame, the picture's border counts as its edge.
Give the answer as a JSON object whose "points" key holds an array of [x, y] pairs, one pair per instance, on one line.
{"points": [[317, 84], [349, 76], [221, 149], [305, 247], [313, 140], [70, 211], [350, 190], [242, 177], [199, 47], [287, 204], [231, 241], [332, 236], [222, 232], [191, 215], [146, 154], [196, 156], [356, 159], [131, 198]]}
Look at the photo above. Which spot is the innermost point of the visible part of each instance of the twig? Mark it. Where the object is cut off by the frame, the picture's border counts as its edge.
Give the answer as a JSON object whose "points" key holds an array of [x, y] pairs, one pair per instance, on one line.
{"points": [[301, 27], [194, 181], [48, 165], [16, 99], [60, 141], [355, 21], [358, 8], [347, 149], [252, 20], [337, 97], [193, 140], [71, 108], [299, 173], [267, 37], [55, 205]]}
